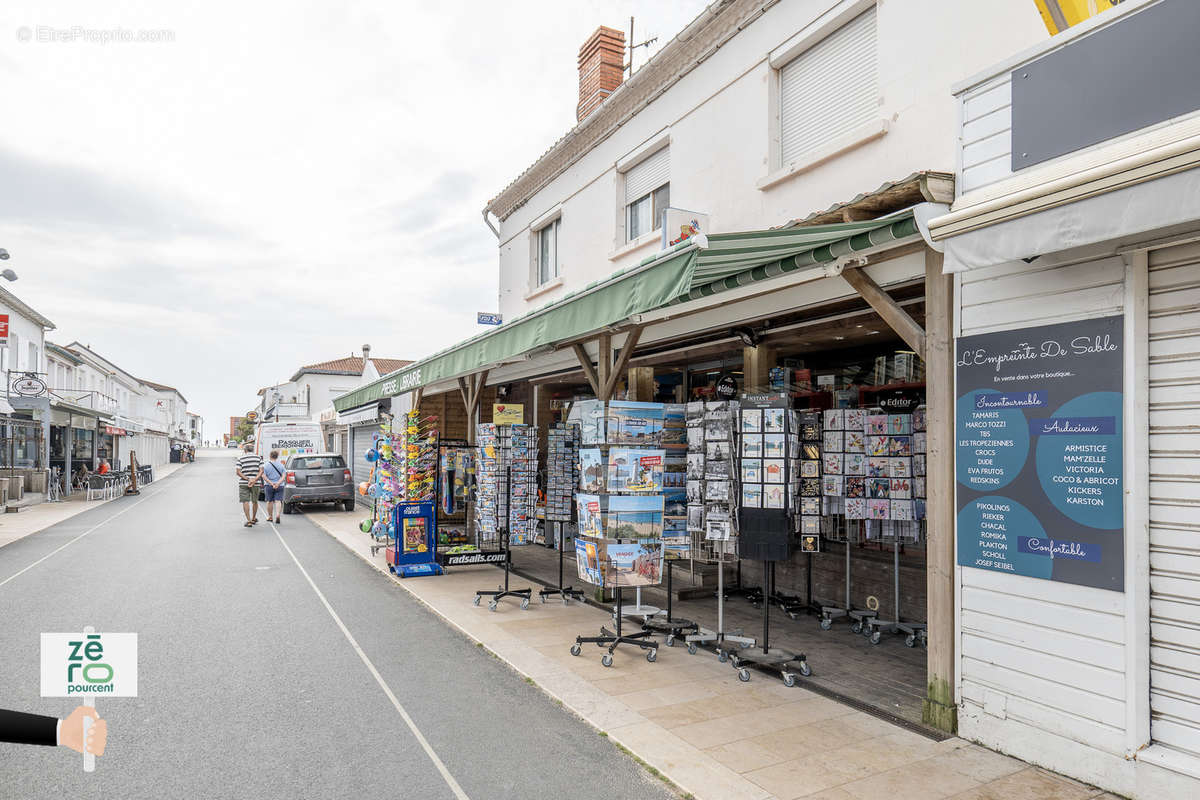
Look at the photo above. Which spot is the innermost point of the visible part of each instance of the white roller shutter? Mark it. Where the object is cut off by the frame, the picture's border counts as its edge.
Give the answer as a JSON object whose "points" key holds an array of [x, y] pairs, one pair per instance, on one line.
{"points": [[649, 174], [1175, 497], [361, 440], [829, 89]]}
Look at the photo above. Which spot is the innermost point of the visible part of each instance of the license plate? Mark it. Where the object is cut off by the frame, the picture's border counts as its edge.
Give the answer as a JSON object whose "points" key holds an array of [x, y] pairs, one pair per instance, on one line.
{"points": [[319, 480]]}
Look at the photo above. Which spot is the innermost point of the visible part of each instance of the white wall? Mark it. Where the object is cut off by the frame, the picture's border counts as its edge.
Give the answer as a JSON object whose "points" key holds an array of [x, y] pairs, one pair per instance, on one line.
{"points": [[718, 118], [26, 331]]}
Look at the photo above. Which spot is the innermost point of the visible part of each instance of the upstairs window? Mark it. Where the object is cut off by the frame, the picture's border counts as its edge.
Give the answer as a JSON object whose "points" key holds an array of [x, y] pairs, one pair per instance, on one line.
{"points": [[547, 253], [647, 194], [829, 90]]}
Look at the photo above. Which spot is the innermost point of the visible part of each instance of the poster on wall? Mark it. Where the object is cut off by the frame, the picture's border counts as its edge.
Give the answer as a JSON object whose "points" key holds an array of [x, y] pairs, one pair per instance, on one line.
{"points": [[1039, 467]]}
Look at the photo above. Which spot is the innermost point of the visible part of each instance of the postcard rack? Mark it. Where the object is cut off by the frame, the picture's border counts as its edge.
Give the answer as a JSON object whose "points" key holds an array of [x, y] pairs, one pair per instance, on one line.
{"points": [[506, 493], [562, 465]]}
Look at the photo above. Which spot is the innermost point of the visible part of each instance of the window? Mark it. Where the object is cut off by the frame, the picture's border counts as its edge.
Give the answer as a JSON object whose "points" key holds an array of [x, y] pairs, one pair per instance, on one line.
{"points": [[829, 90], [547, 253], [647, 194], [34, 366]]}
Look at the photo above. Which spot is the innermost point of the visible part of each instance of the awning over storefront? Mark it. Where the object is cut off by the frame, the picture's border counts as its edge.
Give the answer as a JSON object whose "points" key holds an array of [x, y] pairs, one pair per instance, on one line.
{"points": [[699, 267], [357, 416]]}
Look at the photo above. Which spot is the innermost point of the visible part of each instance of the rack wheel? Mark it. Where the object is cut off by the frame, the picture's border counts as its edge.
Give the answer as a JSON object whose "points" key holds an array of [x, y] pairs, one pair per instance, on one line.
{"points": [[789, 679], [735, 662], [722, 656], [826, 624], [856, 627], [670, 642], [476, 599], [566, 600], [744, 675], [606, 659], [910, 641], [792, 614], [652, 656], [576, 649], [492, 606], [805, 669], [924, 639], [524, 603], [876, 636], [691, 648]]}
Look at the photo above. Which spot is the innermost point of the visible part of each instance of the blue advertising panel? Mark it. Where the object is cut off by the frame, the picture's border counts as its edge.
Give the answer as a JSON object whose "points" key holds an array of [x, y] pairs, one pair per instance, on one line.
{"points": [[1039, 463]]}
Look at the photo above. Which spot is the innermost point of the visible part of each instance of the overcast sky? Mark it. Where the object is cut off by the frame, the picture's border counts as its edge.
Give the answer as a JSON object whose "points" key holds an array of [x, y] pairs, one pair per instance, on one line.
{"points": [[275, 184]]}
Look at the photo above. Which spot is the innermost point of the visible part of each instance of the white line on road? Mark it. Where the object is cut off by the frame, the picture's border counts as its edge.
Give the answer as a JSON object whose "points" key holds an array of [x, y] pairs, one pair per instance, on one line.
{"points": [[77, 538], [412, 726]]}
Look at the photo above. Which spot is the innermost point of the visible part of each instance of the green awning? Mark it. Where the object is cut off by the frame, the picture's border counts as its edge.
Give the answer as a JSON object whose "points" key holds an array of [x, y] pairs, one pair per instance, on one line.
{"points": [[651, 284], [684, 272]]}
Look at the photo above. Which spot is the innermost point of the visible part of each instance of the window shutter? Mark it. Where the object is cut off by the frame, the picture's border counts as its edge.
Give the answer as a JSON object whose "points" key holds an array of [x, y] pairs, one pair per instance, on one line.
{"points": [[648, 175], [829, 89]]}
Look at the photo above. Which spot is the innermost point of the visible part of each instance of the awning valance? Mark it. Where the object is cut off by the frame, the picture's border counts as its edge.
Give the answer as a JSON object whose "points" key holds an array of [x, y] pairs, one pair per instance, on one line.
{"points": [[697, 268], [368, 413]]}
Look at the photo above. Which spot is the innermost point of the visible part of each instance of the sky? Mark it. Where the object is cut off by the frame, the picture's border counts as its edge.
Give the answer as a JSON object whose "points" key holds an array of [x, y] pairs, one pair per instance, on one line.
{"points": [[221, 192]]}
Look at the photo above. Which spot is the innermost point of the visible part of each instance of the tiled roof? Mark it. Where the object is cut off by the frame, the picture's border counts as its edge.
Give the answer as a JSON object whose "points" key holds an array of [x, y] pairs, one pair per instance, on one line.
{"points": [[352, 365], [163, 388]]}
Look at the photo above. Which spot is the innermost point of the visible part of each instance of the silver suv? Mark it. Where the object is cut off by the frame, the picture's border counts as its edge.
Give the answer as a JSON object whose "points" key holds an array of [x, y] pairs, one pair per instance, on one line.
{"points": [[317, 478]]}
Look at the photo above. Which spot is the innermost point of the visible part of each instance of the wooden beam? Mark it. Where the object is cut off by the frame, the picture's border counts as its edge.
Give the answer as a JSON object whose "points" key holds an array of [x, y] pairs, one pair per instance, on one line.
{"points": [[940, 705], [891, 311], [589, 369], [418, 396], [631, 341], [466, 395], [604, 366]]}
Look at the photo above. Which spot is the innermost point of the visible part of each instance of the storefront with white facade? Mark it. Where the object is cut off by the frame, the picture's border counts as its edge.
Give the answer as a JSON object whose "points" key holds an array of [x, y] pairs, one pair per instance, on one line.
{"points": [[1075, 249]]}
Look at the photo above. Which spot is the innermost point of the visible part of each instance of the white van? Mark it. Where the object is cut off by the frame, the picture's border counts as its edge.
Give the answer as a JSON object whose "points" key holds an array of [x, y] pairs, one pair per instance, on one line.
{"points": [[289, 438]]}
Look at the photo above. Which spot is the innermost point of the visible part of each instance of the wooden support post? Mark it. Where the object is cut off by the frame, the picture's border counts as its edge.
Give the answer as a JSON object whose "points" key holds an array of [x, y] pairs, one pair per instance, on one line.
{"points": [[631, 340], [641, 383], [589, 369], [604, 368], [895, 316], [940, 709], [756, 366]]}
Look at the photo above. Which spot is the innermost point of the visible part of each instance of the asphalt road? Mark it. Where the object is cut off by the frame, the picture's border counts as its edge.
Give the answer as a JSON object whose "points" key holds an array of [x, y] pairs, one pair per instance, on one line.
{"points": [[248, 687]]}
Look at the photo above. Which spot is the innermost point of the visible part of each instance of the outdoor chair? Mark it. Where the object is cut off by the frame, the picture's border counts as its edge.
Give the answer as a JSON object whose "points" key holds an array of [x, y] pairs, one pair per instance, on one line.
{"points": [[97, 487]]}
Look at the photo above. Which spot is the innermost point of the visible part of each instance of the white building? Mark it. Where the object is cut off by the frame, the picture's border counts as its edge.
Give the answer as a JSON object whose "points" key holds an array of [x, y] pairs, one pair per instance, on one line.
{"points": [[312, 388], [195, 429]]}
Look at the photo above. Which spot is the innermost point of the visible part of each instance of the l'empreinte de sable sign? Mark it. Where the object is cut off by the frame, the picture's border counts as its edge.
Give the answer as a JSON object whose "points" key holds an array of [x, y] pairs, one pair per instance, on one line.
{"points": [[1039, 452]]}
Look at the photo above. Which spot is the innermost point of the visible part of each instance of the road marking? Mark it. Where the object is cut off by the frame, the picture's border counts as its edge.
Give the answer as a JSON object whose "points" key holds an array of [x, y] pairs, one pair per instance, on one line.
{"points": [[76, 539], [412, 726]]}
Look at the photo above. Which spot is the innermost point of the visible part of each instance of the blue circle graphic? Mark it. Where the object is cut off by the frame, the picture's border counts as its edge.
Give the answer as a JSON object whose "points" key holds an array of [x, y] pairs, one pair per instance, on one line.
{"points": [[989, 531], [991, 445], [1081, 474]]}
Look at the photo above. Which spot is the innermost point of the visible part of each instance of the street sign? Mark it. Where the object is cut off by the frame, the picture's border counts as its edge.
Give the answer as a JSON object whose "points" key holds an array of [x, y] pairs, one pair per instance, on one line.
{"points": [[29, 386], [485, 318], [4, 329]]}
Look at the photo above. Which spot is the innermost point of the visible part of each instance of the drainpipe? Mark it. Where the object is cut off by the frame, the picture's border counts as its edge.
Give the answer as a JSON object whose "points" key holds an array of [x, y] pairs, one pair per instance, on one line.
{"points": [[488, 222]]}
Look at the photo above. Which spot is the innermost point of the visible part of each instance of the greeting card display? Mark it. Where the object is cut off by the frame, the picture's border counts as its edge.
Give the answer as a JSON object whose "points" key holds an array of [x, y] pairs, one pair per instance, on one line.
{"points": [[769, 448], [506, 478]]}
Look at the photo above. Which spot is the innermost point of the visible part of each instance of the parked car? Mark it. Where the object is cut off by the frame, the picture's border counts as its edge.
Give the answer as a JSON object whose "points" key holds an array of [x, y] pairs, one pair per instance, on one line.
{"points": [[317, 478]]}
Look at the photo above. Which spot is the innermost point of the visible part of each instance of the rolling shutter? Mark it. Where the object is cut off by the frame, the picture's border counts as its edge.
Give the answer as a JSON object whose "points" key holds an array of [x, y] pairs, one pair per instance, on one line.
{"points": [[829, 89], [361, 441], [649, 174], [1174, 334]]}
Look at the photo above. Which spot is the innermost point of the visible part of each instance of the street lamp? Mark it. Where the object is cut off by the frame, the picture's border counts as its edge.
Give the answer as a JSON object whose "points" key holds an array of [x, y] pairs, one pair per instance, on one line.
{"points": [[7, 274]]}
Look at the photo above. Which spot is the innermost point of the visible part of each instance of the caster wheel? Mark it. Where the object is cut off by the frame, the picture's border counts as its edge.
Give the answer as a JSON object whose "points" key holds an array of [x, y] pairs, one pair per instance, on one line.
{"points": [[492, 606], [805, 669], [733, 660], [691, 648], [792, 615], [826, 624], [651, 656], [744, 675], [910, 641], [576, 649], [789, 679], [566, 602], [476, 599], [525, 604], [606, 660], [722, 656], [876, 637], [856, 627], [670, 642]]}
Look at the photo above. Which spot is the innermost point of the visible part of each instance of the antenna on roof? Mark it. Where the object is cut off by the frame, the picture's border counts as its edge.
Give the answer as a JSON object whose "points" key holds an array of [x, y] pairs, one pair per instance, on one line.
{"points": [[632, 46]]}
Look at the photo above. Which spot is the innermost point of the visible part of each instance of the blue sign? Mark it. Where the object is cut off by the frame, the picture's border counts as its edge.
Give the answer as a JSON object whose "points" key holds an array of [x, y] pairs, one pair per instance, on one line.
{"points": [[484, 318], [1038, 452]]}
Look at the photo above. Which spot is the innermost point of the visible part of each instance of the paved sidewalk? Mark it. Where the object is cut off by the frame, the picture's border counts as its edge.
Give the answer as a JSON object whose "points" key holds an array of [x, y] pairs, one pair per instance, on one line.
{"points": [[43, 515], [690, 718]]}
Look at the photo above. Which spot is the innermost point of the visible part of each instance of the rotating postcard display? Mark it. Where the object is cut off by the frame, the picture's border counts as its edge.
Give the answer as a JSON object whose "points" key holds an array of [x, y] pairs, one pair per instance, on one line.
{"points": [[507, 481], [620, 503], [770, 448], [713, 475]]}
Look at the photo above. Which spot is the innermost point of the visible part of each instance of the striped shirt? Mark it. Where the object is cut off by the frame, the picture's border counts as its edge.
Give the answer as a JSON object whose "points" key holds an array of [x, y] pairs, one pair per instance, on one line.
{"points": [[249, 464]]}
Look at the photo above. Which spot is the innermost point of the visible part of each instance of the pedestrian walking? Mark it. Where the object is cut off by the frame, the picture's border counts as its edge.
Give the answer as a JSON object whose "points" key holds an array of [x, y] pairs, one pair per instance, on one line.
{"points": [[273, 473], [249, 471]]}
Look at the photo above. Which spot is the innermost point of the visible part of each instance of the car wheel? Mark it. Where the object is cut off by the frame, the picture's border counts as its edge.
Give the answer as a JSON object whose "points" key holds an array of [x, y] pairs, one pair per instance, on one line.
{"points": [[347, 505], [289, 508]]}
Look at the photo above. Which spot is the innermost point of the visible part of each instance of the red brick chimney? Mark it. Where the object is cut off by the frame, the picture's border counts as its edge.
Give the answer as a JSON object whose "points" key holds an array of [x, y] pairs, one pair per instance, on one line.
{"points": [[601, 69]]}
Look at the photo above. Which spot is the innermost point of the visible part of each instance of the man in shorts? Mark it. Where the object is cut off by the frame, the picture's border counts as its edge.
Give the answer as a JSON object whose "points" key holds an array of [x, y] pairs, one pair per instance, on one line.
{"points": [[273, 474], [249, 468]]}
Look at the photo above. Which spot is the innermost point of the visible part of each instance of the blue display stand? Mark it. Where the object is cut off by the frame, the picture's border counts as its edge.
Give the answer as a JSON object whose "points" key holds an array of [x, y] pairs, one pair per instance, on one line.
{"points": [[415, 547]]}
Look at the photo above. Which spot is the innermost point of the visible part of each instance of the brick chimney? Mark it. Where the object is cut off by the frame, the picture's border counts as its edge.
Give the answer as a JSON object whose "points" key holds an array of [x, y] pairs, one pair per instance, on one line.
{"points": [[601, 69]]}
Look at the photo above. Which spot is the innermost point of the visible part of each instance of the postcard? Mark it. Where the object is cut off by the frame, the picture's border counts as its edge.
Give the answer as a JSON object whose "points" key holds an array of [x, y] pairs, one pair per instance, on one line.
{"points": [[878, 467], [832, 485], [773, 446], [773, 420], [901, 446], [591, 421], [856, 508], [718, 528], [878, 509], [773, 497], [856, 420], [899, 424], [773, 469], [695, 466], [877, 425], [854, 464], [751, 496], [856, 442], [718, 469], [752, 470], [695, 411], [918, 487], [752, 446], [634, 517], [919, 464], [832, 463], [879, 488], [835, 419], [695, 518], [810, 505], [810, 469], [920, 418], [631, 470], [591, 470], [587, 560], [903, 510], [717, 451], [899, 467], [810, 487], [856, 486], [590, 521], [919, 442], [752, 420], [810, 526], [901, 489], [633, 564], [717, 490], [833, 441], [719, 428], [811, 450], [695, 491]]}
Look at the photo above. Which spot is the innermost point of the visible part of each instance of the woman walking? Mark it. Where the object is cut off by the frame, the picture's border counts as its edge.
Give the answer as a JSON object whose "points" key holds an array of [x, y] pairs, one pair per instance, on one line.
{"points": [[273, 473]]}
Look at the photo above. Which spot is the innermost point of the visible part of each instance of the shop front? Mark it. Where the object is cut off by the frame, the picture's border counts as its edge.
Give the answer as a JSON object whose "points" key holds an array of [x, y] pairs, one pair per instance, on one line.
{"points": [[836, 318], [1078, 393]]}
